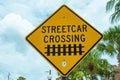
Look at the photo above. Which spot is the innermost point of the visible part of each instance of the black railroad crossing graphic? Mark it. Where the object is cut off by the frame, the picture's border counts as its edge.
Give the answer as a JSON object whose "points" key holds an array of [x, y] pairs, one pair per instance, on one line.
{"points": [[58, 50]]}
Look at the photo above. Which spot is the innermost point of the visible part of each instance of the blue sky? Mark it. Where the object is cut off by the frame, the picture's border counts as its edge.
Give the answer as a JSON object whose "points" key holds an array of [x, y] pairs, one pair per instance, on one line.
{"points": [[19, 17]]}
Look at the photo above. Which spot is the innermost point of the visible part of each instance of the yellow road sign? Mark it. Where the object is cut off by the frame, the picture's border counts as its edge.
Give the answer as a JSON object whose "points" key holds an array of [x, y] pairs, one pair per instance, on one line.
{"points": [[64, 39]]}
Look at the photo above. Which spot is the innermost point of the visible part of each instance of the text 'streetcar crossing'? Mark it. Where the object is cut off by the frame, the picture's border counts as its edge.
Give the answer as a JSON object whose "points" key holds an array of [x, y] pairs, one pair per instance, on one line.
{"points": [[58, 50]]}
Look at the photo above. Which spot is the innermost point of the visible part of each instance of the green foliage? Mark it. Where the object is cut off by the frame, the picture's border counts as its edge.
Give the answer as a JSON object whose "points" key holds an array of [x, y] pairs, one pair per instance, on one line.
{"points": [[111, 41], [92, 65], [79, 75], [114, 5], [21, 78], [110, 5]]}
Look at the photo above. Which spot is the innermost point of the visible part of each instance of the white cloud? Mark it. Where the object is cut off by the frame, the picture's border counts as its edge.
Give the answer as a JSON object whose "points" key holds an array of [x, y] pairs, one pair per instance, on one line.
{"points": [[13, 30], [34, 11], [79, 4], [2, 77], [16, 56], [93, 12], [15, 21], [3, 11]]}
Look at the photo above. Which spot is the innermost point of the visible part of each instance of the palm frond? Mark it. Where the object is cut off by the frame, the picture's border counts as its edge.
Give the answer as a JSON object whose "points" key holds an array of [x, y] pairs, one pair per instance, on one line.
{"points": [[110, 49], [110, 5], [117, 6], [101, 47], [115, 17], [112, 35], [114, 4]]}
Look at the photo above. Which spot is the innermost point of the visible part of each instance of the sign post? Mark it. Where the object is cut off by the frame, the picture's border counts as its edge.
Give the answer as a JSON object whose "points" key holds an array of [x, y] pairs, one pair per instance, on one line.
{"points": [[64, 78], [64, 39]]}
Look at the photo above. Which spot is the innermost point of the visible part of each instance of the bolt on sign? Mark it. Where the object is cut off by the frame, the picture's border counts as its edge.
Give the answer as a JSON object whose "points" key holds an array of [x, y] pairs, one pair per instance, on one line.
{"points": [[64, 39]]}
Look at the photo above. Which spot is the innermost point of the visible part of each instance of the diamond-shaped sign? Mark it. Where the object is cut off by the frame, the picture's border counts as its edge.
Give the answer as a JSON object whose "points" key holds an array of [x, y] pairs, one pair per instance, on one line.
{"points": [[64, 39]]}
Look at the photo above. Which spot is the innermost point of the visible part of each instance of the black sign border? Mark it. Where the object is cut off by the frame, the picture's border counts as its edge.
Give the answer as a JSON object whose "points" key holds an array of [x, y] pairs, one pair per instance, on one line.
{"points": [[47, 58]]}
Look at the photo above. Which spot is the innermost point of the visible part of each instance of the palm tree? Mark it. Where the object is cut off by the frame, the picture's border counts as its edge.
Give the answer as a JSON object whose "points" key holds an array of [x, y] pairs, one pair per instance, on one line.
{"points": [[90, 63], [90, 67], [114, 5], [79, 75], [86, 67], [111, 42], [105, 69]]}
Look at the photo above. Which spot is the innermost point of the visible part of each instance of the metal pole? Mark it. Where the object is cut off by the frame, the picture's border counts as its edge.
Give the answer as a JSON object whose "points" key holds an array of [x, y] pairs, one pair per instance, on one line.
{"points": [[91, 76], [49, 76], [64, 78], [8, 76], [50, 72]]}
